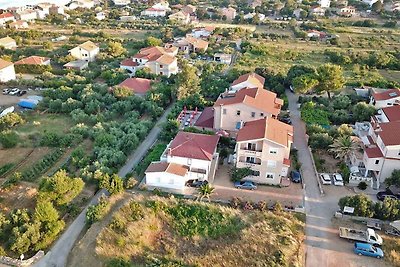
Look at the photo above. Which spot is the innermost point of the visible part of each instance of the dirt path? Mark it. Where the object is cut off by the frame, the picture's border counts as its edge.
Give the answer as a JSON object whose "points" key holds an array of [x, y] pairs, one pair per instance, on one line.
{"points": [[84, 252]]}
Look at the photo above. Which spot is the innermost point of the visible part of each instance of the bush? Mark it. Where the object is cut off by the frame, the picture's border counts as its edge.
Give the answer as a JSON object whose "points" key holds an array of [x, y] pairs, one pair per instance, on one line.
{"points": [[96, 212], [43, 165], [9, 139], [362, 185], [311, 114], [238, 174], [235, 202], [5, 168]]}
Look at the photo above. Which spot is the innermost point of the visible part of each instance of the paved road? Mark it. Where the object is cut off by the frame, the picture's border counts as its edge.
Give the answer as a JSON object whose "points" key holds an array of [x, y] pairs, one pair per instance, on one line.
{"points": [[324, 248], [57, 256]]}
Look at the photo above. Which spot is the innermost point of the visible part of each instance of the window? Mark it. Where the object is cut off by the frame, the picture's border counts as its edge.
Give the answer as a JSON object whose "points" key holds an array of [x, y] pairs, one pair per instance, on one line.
{"points": [[238, 112], [269, 175], [273, 151], [271, 163], [158, 180], [171, 181], [398, 153], [224, 111], [161, 73], [250, 159], [262, 114], [161, 66], [377, 161], [238, 125], [255, 173], [253, 114], [251, 146], [189, 161]]}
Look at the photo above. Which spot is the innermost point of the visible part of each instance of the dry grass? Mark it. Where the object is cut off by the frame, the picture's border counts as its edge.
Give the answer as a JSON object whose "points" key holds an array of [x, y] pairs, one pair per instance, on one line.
{"points": [[21, 196], [252, 238], [391, 248]]}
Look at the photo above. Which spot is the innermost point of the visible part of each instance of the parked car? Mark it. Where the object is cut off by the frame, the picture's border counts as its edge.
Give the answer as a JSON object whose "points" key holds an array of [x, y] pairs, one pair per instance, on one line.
{"points": [[286, 120], [390, 192], [246, 185], [14, 91], [295, 176], [196, 183], [338, 179], [6, 91], [368, 250], [325, 178], [21, 93]]}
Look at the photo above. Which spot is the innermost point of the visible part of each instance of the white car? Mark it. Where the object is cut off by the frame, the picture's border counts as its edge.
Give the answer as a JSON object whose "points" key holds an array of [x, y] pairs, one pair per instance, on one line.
{"points": [[325, 178], [338, 179], [6, 91], [14, 91]]}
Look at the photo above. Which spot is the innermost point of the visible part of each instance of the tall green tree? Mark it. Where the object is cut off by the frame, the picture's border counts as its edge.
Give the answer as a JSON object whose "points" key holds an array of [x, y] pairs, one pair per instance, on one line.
{"points": [[115, 49], [304, 83], [330, 79], [188, 81]]}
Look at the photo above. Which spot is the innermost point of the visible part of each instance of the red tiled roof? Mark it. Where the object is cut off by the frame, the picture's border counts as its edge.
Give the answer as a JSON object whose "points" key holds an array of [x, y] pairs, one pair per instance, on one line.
{"points": [[129, 62], [392, 113], [193, 146], [32, 60], [172, 168], [388, 94], [4, 64], [138, 85], [258, 98], [266, 128], [6, 15], [389, 133], [373, 152], [253, 77], [206, 118]]}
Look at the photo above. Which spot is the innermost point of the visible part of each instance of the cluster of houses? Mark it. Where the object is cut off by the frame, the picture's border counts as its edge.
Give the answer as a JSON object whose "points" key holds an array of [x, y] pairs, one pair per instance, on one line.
{"points": [[246, 112], [379, 139]]}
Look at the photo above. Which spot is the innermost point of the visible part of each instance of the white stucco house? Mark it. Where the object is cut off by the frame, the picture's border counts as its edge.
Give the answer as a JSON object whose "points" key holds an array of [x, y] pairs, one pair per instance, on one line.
{"points": [[189, 156], [86, 51], [386, 98], [7, 72]]}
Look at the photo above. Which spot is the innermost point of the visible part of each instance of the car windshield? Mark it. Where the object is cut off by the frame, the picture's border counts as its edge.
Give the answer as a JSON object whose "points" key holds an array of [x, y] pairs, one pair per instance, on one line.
{"points": [[326, 177], [373, 249], [338, 178]]}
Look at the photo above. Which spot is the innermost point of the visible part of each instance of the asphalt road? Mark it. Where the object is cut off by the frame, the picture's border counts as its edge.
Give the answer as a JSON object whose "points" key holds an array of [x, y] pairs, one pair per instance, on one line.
{"points": [[57, 256], [324, 248]]}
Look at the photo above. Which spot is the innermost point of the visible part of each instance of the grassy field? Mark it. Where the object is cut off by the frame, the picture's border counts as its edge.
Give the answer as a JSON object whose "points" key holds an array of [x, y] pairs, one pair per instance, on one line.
{"points": [[185, 233], [391, 248]]}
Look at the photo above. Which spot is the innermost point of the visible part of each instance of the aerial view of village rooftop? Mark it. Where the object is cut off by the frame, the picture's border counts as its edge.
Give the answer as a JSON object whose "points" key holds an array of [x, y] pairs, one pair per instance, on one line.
{"points": [[191, 133]]}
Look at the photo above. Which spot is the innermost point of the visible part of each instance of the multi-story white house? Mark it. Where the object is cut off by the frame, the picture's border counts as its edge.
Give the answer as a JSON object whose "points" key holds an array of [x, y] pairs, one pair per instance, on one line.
{"points": [[189, 156], [231, 110], [27, 15], [8, 43], [7, 72], [5, 17], [160, 61], [86, 51], [386, 98], [264, 146]]}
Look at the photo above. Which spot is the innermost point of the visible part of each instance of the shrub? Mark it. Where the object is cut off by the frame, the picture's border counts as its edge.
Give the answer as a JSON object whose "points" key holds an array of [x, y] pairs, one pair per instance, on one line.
{"points": [[238, 174], [9, 139], [235, 202], [5, 168], [137, 211], [118, 263], [311, 114], [362, 185], [97, 212], [247, 205]]}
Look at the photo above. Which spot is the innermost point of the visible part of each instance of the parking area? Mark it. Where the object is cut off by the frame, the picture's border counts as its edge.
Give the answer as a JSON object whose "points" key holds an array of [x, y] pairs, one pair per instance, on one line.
{"points": [[7, 100], [225, 190]]}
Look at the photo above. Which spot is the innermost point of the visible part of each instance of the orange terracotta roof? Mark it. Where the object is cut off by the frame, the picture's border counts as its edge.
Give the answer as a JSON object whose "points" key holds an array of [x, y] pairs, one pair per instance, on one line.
{"points": [[193, 146], [258, 98], [389, 133], [172, 168], [32, 60], [197, 43], [388, 94], [254, 78], [266, 128], [4, 64], [392, 113], [129, 62], [165, 59], [138, 85], [88, 46], [6, 15]]}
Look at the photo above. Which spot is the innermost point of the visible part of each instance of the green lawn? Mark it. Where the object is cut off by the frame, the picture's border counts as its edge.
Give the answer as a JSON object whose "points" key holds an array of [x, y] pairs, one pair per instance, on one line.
{"points": [[40, 123]]}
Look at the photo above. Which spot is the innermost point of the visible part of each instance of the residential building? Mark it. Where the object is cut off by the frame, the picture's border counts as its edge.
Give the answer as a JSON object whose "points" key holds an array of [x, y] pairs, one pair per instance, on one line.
{"points": [[188, 156], [163, 5], [202, 32], [206, 119], [56, 10], [27, 15], [317, 11], [19, 24], [315, 34], [139, 86], [78, 65], [223, 58], [231, 110], [263, 145], [6, 17], [324, 3], [381, 99], [229, 13], [86, 51], [81, 4], [33, 60], [388, 114], [190, 44], [43, 9], [249, 80], [370, 2], [154, 12], [8, 43], [7, 72], [180, 17], [100, 15], [160, 61], [346, 11]]}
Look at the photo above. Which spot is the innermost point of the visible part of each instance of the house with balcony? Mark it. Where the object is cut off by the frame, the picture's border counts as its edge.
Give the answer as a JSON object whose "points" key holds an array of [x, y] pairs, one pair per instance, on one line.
{"points": [[231, 110], [188, 156], [384, 98], [249, 80], [160, 61], [86, 51], [263, 145], [381, 148]]}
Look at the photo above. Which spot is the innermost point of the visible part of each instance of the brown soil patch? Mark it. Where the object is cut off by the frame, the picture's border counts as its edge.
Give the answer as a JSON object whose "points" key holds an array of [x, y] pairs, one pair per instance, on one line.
{"points": [[331, 164], [18, 197], [13, 155]]}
